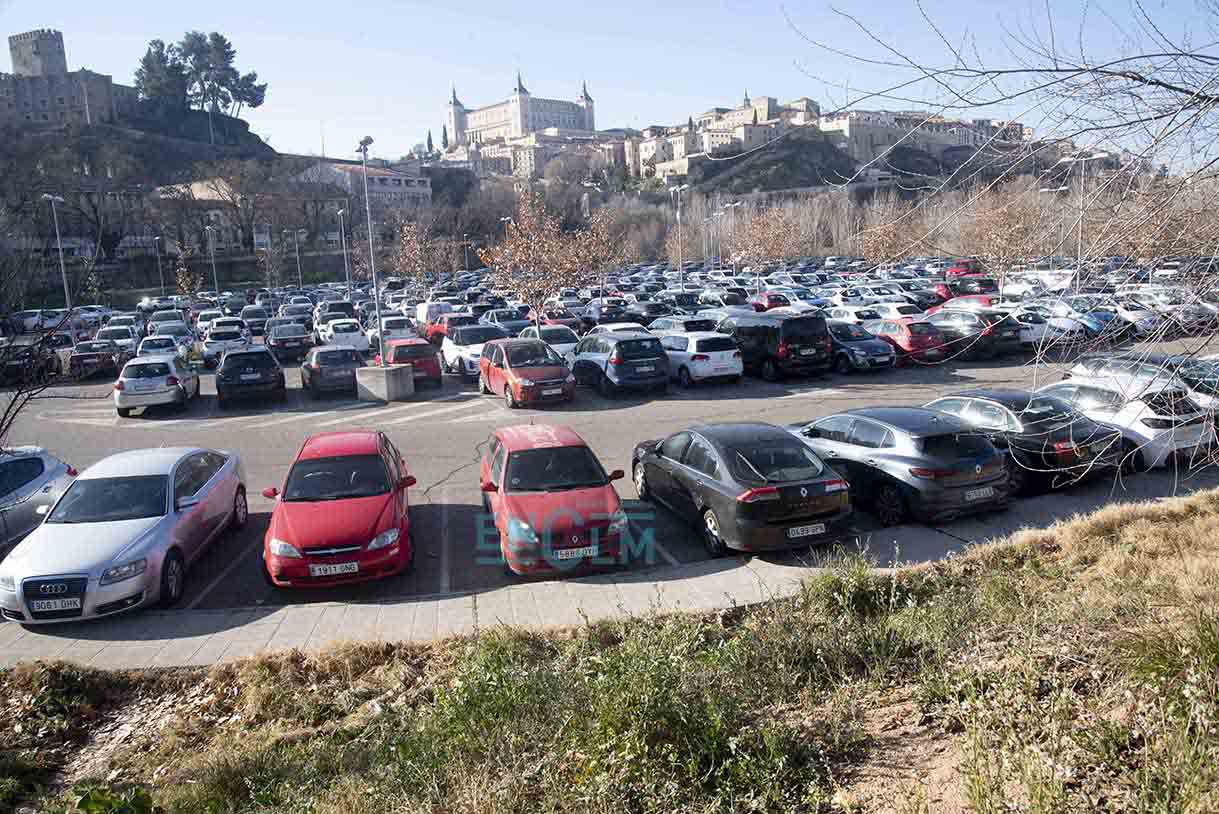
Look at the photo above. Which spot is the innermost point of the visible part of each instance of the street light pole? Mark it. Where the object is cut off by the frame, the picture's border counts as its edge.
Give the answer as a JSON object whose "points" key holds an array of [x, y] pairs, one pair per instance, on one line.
{"points": [[296, 241], [681, 269], [372, 262], [211, 242], [465, 251], [63, 269], [156, 244], [343, 243], [732, 231]]}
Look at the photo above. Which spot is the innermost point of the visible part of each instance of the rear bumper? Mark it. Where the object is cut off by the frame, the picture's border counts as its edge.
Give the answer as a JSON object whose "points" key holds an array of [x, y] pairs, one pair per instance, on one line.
{"points": [[746, 535], [943, 504], [240, 389], [640, 382], [124, 400], [329, 384]]}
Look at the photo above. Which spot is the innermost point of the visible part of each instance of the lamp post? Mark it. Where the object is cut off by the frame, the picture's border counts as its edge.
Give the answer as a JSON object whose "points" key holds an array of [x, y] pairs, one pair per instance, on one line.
{"points": [[63, 269], [211, 242], [1083, 204], [681, 270], [343, 243], [465, 251], [296, 241], [156, 245], [372, 262], [732, 230], [1062, 221]]}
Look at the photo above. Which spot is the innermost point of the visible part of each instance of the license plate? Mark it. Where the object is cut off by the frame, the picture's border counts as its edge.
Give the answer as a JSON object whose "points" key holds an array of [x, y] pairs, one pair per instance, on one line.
{"points": [[807, 351], [338, 374], [292, 344], [806, 531], [332, 570], [141, 387], [43, 605], [553, 391], [575, 553], [644, 369], [1009, 333], [980, 494], [250, 377]]}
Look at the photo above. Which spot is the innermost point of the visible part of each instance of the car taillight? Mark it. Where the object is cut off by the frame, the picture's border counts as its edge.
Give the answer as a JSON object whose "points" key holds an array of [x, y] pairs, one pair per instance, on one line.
{"points": [[761, 493], [986, 330], [839, 485], [72, 473], [119, 385], [783, 350], [1067, 449], [700, 357], [615, 359], [171, 381], [736, 354], [930, 474]]}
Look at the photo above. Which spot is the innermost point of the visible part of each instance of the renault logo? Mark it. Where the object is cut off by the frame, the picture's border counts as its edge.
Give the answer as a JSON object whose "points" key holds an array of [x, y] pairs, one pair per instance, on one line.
{"points": [[575, 538], [56, 588], [978, 469], [803, 492]]}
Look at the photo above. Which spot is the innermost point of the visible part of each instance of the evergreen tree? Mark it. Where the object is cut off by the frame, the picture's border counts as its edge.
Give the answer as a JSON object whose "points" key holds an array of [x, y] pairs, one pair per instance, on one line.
{"points": [[444, 137], [430, 148], [755, 117], [690, 124]]}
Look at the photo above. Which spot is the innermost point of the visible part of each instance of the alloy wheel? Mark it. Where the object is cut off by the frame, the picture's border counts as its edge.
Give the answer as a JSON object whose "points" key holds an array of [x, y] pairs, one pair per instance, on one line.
{"points": [[890, 509], [712, 535], [641, 482]]}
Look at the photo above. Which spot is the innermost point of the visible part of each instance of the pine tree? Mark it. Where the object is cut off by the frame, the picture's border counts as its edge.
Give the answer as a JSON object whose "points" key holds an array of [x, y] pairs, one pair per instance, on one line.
{"points": [[430, 148], [690, 124], [444, 137], [755, 117]]}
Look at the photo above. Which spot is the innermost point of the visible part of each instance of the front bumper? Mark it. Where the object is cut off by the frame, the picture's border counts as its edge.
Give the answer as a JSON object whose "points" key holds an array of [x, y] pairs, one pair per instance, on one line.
{"points": [[542, 394], [871, 362], [531, 560], [293, 572], [96, 600]]}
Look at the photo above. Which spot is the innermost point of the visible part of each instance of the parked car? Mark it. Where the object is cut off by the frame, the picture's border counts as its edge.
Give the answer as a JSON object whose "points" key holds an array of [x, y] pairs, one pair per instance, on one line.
{"points": [[905, 462], [96, 356], [557, 315], [509, 319], [391, 328], [621, 361], [1159, 422], [554, 505], [28, 360], [343, 514], [1046, 441], [776, 345], [330, 368], [203, 323], [462, 346], [156, 318], [347, 333], [746, 486], [1200, 377], [124, 534], [249, 372], [524, 372], [155, 380], [219, 341], [31, 480], [702, 356], [856, 349], [912, 340], [417, 352], [977, 334], [560, 337], [681, 325], [123, 336], [291, 341]]}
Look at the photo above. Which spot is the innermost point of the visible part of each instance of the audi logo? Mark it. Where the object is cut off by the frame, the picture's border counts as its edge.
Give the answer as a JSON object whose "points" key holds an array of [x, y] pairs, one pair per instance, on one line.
{"points": [[57, 588]]}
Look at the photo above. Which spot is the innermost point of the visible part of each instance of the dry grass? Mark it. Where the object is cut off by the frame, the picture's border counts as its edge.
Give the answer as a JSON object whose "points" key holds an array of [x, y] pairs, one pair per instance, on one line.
{"points": [[1069, 669]]}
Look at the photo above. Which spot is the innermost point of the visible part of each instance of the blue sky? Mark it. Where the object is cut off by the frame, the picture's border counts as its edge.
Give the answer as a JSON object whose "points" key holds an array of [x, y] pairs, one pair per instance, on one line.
{"points": [[384, 67]]}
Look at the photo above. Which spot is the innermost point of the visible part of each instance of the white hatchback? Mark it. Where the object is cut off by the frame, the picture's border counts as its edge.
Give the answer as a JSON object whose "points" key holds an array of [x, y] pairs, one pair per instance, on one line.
{"points": [[702, 355]]}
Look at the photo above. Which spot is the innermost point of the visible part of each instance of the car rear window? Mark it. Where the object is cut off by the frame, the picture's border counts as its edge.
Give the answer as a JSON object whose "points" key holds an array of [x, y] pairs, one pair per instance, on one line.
{"points": [[957, 445], [908, 310], [640, 348], [94, 347], [289, 330], [804, 328], [258, 360], [1172, 402], [406, 353], [337, 357], [477, 334], [774, 462], [848, 332], [716, 344], [346, 328], [224, 336], [252, 312], [159, 343], [560, 336], [147, 370], [694, 325]]}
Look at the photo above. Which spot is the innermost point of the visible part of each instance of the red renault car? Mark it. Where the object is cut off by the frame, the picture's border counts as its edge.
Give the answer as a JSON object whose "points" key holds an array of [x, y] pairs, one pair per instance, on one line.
{"points": [[343, 515], [555, 508], [418, 352], [524, 372]]}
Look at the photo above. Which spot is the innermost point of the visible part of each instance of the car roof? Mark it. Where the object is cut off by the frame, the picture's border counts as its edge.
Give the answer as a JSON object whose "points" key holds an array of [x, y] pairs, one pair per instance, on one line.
{"points": [[154, 461], [152, 357], [1014, 399], [537, 436], [345, 442], [915, 421], [733, 433]]}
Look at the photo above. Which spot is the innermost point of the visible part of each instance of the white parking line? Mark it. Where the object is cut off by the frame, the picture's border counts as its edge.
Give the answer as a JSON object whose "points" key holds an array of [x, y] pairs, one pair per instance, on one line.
{"points": [[222, 576], [439, 411], [286, 419], [664, 552]]}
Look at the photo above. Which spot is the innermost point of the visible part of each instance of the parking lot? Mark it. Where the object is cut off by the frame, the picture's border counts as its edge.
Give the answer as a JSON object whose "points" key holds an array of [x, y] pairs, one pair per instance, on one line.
{"points": [[442, 432]]}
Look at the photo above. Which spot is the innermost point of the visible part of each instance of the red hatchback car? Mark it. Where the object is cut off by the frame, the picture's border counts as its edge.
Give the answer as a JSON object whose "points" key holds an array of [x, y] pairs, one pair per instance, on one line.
{"points": [[912, 339], [343, 515], [524, 372], [555, 508], [417, 352], [558, 316], [767, 300]]}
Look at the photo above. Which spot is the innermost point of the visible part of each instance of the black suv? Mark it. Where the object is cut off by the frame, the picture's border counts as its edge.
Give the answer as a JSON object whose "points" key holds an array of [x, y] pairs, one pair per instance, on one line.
{"points": [[251, 372], [778, 344]]}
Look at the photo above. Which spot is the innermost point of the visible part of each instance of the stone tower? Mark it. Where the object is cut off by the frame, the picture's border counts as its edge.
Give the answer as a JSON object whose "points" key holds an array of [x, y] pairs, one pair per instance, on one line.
{"points": [[38, 53], [457, 120], [585, 101], [522, 122]]}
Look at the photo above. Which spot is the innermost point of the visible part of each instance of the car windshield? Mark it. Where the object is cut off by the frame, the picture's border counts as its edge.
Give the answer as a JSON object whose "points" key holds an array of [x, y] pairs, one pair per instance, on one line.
{"points": [[114, 333], [775, 462], [288, 330], [476, 335], [337, 357], [338, 478], [559, 336], [846, 332], [1045, 410], [532, 354], [553, 469], [107, 500], [407, 353]]}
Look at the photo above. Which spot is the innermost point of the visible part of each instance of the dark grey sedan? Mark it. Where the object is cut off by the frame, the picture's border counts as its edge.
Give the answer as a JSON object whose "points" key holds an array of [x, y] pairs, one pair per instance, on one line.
{"points": [[911, 462], [330, 368]]}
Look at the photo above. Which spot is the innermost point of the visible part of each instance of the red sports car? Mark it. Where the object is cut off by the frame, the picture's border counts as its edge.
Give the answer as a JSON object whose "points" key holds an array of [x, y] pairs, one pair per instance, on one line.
{"points": [[555, 508], [343, 515]]}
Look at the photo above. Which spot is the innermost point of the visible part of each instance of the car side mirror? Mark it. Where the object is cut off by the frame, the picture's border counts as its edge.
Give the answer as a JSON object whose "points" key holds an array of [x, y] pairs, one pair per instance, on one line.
{"points": [[617, 474], [187, 502], [270, 493], [488, 486], [407, 482]]}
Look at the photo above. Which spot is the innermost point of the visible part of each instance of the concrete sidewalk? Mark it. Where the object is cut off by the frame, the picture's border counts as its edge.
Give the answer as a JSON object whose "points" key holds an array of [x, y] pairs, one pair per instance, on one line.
{"points": [[183, 638]]}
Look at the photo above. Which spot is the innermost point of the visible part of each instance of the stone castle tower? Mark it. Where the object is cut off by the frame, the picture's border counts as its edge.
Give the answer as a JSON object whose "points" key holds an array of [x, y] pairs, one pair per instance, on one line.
{"points": [[38, 53], [585, 101], [457, 120]]}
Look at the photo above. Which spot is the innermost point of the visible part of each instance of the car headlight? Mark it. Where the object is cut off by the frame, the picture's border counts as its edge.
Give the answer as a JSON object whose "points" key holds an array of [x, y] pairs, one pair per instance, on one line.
{"points": [[525, 382], [520, 532], [859, 354], [279, 548], [121, 572], [8, 583], [618, 522], [385, 538], [571, 379]]}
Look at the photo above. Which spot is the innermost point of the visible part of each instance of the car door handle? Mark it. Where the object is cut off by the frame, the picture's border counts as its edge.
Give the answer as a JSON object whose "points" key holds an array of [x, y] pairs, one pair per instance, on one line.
{"points": [[870, 462]]}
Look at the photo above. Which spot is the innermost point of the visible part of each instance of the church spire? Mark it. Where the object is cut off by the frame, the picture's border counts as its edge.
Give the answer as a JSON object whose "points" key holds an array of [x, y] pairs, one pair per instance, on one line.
{"points": [[584, 91], [747, 102], [520, 86], [454, 100]]}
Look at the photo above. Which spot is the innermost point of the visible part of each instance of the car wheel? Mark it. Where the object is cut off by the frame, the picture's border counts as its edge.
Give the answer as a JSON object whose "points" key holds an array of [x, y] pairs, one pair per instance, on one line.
{"points": [[173, 579], [313, 391], [509, 399], [684, 378], [843, 364], [482, 385], [770, 371], [889, 505], [640, 476], [713, 535], [1132, 459], [605, 386], [1017, 477], [221, 402], [241, 510], [123, 412]]}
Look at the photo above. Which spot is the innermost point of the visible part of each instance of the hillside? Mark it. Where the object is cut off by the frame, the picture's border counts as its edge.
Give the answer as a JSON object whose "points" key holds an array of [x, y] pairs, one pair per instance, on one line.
{"points": [[802, 158]]}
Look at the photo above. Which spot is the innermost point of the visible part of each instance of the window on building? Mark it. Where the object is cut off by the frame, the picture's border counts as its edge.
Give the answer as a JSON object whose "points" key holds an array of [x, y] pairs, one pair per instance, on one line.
{"points": [[42, 102], [59, 100]]}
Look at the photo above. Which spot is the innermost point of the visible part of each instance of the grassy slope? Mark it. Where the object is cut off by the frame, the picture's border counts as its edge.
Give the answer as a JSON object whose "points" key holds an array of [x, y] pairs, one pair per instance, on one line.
{"points": [[1072, 669]]}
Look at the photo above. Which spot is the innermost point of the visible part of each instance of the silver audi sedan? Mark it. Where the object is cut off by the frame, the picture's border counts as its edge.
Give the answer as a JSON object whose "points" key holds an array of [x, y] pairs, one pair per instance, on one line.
{"points": [[123, 535]]}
